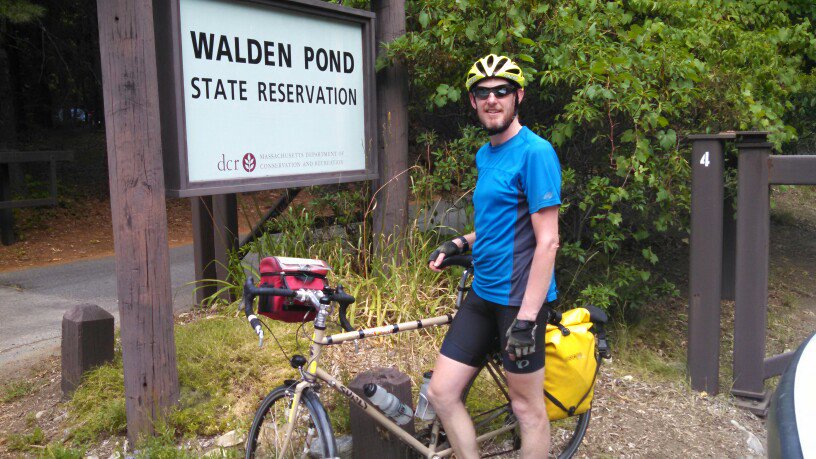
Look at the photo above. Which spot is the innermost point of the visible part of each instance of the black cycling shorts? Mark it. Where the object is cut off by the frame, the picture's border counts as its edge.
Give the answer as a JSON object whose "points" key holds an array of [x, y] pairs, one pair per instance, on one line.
{"points": [[479, 329]]}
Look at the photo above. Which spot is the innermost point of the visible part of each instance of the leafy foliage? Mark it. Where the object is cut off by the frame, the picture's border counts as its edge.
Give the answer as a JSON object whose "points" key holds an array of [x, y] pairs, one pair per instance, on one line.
{"points": [[19, 11], [616, 86]]}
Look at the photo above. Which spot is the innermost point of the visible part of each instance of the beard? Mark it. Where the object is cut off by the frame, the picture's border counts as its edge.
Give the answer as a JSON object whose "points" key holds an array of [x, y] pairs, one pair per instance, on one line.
{"points": [[501, 126], [497, 126]]}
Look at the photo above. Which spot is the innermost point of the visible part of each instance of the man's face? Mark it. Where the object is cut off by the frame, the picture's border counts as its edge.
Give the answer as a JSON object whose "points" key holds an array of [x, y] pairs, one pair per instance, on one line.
{"points": [[496, 113]]}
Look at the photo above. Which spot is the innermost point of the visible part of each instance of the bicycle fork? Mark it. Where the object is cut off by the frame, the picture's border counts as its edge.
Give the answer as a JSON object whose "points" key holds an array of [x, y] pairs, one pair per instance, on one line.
{"points": [[293, 413]]}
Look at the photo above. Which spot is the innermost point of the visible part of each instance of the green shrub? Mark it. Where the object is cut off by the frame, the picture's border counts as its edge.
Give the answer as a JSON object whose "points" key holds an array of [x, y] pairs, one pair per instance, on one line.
{"points": [[615, 86]]}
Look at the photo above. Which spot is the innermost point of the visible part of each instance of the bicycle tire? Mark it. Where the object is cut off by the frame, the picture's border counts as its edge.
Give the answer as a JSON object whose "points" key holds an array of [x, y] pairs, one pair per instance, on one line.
{"points": [[566, 435], [312, 433]]}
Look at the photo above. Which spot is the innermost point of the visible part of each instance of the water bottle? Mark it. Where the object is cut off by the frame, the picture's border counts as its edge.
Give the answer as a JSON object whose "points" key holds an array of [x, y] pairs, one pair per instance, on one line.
{"points": [[425, 410], [388, 403]]}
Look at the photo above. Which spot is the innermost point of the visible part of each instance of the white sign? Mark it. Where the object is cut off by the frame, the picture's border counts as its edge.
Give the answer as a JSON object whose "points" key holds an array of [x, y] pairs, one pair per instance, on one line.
{"points": [[270, 92]]}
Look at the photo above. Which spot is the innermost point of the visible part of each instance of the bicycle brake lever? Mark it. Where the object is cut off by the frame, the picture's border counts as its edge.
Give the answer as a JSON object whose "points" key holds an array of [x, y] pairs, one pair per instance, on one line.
{"points": [[260, 333]]}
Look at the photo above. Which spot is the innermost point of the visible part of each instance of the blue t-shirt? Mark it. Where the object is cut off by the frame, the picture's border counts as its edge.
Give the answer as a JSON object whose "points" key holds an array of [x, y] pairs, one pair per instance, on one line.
{"points": [[515, 179]]}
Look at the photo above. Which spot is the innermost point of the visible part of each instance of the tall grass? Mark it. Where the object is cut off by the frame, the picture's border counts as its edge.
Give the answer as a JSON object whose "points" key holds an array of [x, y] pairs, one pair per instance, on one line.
{"points": [[390, 284], [223, 374]]}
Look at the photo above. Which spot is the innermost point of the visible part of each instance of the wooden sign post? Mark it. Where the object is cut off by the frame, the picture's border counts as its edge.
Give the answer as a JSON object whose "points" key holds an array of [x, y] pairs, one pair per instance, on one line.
{"points": [[138, 210], [391, 213]]}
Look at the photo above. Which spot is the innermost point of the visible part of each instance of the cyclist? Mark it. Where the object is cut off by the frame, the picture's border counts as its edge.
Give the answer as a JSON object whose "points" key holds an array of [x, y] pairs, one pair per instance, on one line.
{"points": [[516, 201]]}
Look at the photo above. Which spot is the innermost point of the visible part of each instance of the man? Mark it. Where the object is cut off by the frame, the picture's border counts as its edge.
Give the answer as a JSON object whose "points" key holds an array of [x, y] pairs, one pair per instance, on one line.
{"points": [[516, 201]]}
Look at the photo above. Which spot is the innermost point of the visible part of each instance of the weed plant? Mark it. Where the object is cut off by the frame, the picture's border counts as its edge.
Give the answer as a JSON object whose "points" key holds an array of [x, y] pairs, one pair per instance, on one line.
{"points": [[57, 451], [222, 376], [16, 389]]}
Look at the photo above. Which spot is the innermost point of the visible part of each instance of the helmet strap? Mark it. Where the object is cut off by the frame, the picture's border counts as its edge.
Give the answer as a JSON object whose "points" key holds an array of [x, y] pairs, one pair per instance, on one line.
{"points": [[515, 104]]}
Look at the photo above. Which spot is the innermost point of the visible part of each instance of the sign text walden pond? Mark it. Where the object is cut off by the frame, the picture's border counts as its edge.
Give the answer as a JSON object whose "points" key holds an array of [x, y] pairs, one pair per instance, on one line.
{"points": [[210, 46], [274, 93]]}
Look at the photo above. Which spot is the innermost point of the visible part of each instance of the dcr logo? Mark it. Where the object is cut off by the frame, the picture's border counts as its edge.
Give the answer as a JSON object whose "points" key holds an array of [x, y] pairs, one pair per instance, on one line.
{"points": [[249, 162]]}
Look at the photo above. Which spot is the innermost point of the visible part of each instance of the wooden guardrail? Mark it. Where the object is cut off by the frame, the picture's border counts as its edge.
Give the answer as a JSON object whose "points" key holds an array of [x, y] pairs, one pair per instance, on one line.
{"points": [[7, 204]]}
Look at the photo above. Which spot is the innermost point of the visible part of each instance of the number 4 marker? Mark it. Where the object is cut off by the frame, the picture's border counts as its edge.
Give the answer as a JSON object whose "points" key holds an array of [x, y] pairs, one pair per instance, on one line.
{"points": [[704, 160]]}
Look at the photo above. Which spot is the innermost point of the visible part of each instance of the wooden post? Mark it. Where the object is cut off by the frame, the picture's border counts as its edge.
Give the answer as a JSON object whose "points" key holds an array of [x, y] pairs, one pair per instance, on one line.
{"points": [[705, 266], [6, 215], [753, 230], [138, 211], [8, 134], [391, 213], [371, 441], [87, 341], [225, 220], [203, 247]]}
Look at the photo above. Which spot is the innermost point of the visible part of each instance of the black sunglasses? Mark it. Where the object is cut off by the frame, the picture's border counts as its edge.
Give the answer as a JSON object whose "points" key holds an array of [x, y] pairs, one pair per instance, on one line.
{"points": [[482, 93]]}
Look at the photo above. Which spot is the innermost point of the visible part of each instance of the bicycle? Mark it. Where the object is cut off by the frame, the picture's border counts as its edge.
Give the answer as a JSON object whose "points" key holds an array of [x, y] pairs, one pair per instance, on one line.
{"points": [[292, 422]]}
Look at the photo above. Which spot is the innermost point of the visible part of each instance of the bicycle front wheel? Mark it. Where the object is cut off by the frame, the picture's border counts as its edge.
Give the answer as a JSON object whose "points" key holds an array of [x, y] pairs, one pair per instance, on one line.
{"points": [[311, 434]]}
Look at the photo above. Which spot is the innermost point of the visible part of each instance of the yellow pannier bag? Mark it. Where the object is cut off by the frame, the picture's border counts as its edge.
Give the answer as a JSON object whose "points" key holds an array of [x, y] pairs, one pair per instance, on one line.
{"points": [[570, 365]]}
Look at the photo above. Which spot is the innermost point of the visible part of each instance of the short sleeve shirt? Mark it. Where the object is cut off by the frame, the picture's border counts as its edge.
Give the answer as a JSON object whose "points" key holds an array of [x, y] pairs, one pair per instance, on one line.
{"points": [[515, 180]]}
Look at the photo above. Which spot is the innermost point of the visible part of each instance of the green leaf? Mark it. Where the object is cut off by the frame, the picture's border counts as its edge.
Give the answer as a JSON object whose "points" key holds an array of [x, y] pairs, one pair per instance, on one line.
{"points": [[598, 67], [627, 136], [649, 255], [640, 234], [526, 41], [668, 139], [454, 94], [424, 19], [620, 60], [471, 31], [614, 218], [526, 58]]}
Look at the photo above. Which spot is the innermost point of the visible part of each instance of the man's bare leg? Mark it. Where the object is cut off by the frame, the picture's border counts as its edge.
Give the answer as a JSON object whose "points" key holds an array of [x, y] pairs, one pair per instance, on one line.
{"points": [[527, 396], [445, 393]]}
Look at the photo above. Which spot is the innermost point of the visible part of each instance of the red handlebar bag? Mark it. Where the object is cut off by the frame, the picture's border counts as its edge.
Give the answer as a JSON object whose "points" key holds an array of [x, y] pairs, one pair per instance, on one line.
{"points": [[291, 273]]}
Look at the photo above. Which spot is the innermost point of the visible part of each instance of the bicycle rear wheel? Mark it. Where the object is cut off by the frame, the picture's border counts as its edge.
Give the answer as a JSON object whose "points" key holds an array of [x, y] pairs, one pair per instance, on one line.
{"points": [[311, 436], [567, 434], [487, 402]]}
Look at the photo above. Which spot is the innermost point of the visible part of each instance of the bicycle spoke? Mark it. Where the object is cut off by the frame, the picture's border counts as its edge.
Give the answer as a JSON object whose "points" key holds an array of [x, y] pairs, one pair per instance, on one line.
{"points": [[277, 438]]}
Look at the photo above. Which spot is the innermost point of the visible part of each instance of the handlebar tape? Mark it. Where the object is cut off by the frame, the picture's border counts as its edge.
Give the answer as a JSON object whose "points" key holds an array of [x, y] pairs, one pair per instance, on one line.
{"points": [[344, 300], [250, 292], [465, 261]]}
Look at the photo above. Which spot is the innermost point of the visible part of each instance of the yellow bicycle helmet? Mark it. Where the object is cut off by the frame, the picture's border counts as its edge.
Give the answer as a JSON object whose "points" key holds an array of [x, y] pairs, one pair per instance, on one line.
{"points": [[494, 66]]}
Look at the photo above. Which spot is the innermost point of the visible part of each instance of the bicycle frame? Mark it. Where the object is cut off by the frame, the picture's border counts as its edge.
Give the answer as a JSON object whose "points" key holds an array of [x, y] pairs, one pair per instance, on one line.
{"points": [[311, 373]]}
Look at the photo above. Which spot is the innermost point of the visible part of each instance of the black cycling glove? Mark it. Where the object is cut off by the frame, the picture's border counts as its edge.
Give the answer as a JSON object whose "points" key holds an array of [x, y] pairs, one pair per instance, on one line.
{"points": [[449, 248], [521, 338]]}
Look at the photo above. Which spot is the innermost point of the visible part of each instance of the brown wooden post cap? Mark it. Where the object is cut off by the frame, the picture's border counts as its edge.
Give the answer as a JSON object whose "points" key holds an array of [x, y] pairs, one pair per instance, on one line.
{"points": [[87, 342]]}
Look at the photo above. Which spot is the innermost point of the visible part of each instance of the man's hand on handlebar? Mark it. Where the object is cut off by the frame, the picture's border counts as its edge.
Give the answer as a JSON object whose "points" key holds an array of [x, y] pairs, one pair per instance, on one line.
{"points": [[447, 249]]}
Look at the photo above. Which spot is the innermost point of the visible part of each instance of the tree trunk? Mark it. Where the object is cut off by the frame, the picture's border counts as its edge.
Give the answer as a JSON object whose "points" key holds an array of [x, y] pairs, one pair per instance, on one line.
{"points": [[8, 123]]}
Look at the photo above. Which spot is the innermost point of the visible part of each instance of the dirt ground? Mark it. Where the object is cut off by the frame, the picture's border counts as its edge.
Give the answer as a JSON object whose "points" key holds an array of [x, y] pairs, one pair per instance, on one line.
{"points": [[83, 231], [635, 414]]}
